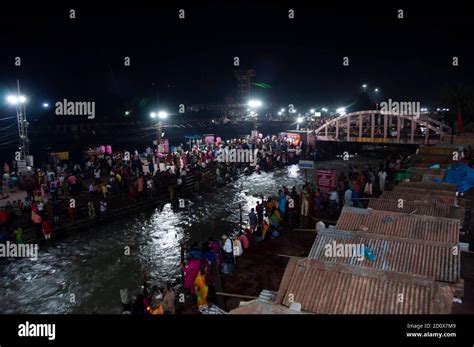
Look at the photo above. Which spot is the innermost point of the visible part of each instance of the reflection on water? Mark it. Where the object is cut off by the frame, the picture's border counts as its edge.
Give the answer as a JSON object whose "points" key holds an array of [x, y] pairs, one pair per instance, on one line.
{"points": [[84, 273]]}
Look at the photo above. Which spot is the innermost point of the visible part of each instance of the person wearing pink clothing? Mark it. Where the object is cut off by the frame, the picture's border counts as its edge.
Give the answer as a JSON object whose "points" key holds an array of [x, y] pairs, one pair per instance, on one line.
{"points": [[140, 185], [191, 270], [244, 240]]}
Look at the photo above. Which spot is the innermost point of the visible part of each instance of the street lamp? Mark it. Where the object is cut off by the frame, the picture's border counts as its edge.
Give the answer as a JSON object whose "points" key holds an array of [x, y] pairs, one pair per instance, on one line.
{"points": [[19, 101], [376, 90], [15, 100], [45, 105], [254, 103], [299, 120], [341, 111], [312, 110], [161, 116], [364, 86]]}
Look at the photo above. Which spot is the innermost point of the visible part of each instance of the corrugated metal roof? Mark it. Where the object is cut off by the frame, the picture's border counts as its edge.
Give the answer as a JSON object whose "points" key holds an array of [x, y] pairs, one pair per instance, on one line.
{"points": [[400, 225], [262, 307], [419, 208], [426, 258], [409, 190], [422, 197], [449, 187], [431, 191], [331, 288]]}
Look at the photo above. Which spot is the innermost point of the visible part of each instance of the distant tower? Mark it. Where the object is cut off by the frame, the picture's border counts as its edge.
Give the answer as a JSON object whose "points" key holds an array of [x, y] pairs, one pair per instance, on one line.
{"points": [[244, 82], [22, 127]]}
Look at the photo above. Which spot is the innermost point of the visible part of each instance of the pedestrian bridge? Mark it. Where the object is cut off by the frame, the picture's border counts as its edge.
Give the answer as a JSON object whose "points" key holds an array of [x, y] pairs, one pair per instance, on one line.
{"points": [[383, 127]]}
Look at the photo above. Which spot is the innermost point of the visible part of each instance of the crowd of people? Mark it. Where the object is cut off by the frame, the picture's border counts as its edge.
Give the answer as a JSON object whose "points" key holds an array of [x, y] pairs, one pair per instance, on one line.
{"points": [[101, 177], [130, 176], [265, 221]]}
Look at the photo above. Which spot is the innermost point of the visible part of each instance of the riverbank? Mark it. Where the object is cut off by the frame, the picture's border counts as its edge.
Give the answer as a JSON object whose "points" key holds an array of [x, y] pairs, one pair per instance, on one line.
{"points": [[118, 207], [262, 265]]}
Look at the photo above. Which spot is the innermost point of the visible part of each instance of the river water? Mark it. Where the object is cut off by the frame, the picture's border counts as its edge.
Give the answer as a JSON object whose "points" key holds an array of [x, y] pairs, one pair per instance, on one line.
{"points": [[85, 272]]}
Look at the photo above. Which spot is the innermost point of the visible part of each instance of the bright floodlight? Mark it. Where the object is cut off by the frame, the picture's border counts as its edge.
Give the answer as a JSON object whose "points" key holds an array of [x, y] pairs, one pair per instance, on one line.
{"points": [[341, 110], [153, 114], [312, 110], [45, 105], [162, 114], [279, 113], [255, 103], [127, 113], [364, 86], [299, 120], [282, 110], [324, 109], [12, 99], [376, 90], [293, 111], [22, 99]]}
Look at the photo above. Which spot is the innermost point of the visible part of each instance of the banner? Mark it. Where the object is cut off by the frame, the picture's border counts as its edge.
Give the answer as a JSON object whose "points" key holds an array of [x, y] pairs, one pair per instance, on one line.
{"points": [[375, 139], [209, 139], [60, 155], [294, 138], [306, 164], [326, 180], [164, 146]]}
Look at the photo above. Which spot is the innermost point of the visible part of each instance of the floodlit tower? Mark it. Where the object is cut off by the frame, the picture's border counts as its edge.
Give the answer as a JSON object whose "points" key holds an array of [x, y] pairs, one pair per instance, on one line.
{"points": [[244, 82], [19, 102]]}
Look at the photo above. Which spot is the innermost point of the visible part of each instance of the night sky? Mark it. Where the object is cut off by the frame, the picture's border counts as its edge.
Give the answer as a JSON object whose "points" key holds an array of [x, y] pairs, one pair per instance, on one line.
{"points": [[192, 59]]}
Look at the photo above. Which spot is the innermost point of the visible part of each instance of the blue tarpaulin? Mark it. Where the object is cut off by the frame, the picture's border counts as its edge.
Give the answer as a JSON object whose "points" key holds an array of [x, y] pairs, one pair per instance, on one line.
{"points": [[462, 175]]}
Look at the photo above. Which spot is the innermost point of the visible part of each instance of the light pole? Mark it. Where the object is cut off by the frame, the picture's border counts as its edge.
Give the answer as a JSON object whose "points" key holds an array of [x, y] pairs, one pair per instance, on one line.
{"points": [[19, 101], [299, 120], [162, 115], [254, 104], [364, 87]]}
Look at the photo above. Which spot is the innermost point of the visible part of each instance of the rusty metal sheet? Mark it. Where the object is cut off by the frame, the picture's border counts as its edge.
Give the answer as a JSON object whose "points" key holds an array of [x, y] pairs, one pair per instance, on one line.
{"points": [[421, 197], [425, 258], [418, 208], [331, 288], [402, 225]]}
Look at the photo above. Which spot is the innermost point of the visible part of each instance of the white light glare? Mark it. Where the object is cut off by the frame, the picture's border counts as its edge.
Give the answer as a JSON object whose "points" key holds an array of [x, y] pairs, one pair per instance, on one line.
{"points": [[162, 114], [13, 100], [341, 110], [299, 119], [255, 103]]}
